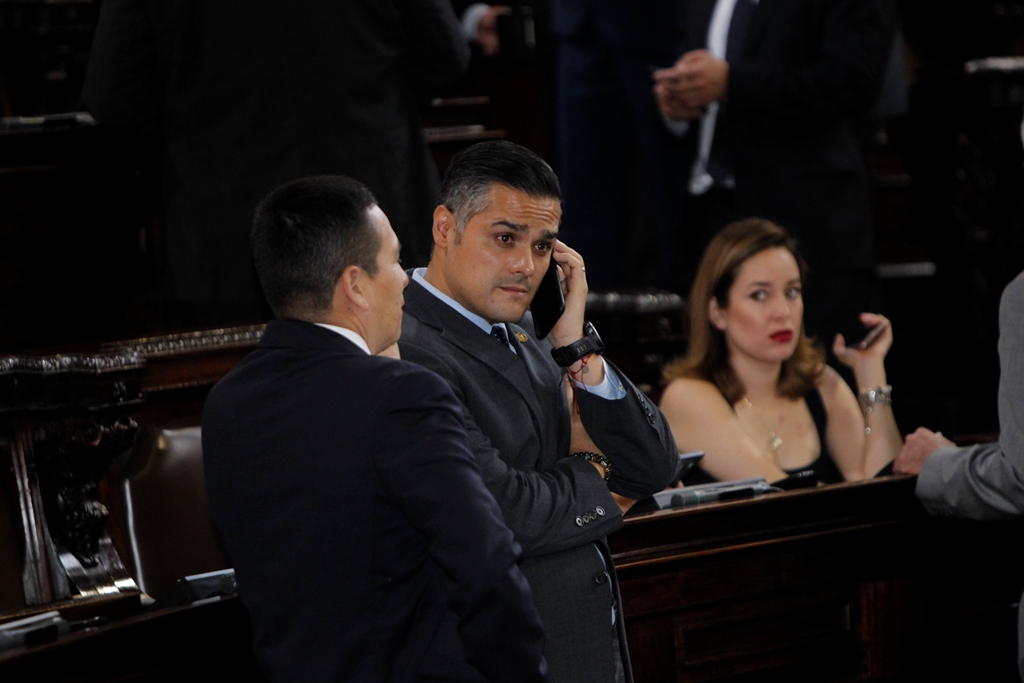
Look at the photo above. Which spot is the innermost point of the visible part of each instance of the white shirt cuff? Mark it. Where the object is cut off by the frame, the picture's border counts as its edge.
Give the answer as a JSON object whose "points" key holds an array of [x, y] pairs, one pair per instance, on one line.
{"points": [[610, 388]]}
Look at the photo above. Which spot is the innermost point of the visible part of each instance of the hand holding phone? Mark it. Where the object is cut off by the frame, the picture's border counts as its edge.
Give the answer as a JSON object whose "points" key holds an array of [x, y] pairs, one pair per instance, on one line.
{"points": [[871, 336], [548, 302]]}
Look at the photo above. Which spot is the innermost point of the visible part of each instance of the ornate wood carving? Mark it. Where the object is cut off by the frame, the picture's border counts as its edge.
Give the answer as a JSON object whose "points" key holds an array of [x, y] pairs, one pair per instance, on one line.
{"points": [[66, 425]]}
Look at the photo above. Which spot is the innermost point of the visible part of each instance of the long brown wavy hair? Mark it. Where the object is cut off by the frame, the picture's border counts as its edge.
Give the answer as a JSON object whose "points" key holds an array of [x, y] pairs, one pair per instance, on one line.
{"points": [[707, 356]]}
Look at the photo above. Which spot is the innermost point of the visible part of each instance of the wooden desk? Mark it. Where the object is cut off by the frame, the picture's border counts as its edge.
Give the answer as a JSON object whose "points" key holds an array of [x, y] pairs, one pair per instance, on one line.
{"points": [[849, 582], [845, 582], [209, 641]]}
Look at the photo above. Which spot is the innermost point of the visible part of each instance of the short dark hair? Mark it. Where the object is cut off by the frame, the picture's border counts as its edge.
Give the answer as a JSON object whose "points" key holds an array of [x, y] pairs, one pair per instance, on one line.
{"points": [[305, 233], [466, 186]]}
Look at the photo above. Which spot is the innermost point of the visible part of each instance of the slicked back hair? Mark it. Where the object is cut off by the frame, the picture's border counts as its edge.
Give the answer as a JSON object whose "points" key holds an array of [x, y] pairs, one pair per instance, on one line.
{"points": [[305, 233], [467, 183]]}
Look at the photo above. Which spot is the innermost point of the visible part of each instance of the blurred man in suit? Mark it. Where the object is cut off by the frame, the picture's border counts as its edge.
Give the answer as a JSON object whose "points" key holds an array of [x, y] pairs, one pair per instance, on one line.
{"points": [[985, 481], [364, 541], [239, 97], [621, 171], [771, 99]]}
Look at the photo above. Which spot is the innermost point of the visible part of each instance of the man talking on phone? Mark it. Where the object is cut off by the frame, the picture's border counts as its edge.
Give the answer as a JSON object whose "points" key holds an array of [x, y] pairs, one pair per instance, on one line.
{"points": [[564, 441]]}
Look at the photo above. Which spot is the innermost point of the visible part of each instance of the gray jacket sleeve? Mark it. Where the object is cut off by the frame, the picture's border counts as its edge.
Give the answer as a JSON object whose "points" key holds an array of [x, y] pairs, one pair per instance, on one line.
{"points": [[987, 481]]}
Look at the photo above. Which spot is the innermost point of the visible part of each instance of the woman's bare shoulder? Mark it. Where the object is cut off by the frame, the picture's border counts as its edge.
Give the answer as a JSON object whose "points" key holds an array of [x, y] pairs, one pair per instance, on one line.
{"points": [[694, 396]]}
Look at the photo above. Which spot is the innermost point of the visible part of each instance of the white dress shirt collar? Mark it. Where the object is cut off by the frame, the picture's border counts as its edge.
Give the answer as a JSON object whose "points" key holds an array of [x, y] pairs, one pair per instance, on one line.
{"points": [[347, 334]]}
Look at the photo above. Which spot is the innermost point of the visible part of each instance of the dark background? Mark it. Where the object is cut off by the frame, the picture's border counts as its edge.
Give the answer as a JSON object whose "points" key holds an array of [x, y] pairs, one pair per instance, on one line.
{"points": [[80, 230]]}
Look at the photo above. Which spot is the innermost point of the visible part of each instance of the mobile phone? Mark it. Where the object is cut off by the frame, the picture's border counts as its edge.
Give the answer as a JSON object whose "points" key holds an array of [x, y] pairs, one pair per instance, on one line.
{"points": [[688, 461], [870, 336], [548, 301]]}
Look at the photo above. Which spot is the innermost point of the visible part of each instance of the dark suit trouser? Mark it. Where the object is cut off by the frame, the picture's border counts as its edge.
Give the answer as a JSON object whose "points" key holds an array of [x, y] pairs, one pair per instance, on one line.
{"points": [[621, 171]]}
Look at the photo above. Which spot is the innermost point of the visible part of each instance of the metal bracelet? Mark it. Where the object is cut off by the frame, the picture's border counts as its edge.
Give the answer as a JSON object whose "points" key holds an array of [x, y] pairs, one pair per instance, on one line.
{"points": [[879, 396]]}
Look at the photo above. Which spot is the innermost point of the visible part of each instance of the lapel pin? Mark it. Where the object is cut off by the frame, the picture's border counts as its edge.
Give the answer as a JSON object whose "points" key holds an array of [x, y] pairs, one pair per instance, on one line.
{"points": [[521, 336]]}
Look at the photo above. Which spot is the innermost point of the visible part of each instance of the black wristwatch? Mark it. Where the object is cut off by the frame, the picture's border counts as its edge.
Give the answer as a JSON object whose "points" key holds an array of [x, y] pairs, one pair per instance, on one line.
{"points": [[591, 343]]}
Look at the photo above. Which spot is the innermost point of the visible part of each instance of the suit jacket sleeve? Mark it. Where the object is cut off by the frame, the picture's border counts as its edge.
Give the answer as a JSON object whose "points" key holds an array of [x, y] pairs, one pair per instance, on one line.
{"points": [[848, 42], [121, 88], [987, 481], [541, 506], [633, 433], [426, 466], [438, 53]]}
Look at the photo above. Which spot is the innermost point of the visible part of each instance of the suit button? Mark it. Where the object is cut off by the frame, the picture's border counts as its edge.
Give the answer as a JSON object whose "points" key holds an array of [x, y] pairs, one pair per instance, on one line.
{"points": [[599, 511], [579, 521], [601, 579]]}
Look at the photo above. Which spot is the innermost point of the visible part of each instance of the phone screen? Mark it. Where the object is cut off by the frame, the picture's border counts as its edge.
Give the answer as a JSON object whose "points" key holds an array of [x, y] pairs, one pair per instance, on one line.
{"points": [[548, 302]]}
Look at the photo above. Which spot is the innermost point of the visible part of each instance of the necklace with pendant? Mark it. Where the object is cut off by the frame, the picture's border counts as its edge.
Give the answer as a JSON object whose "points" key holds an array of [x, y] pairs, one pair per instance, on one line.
{"points": [[774, 442]]}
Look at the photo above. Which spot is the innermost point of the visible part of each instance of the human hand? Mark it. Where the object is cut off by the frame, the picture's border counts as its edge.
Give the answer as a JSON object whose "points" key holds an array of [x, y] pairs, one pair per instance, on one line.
{"points": [[579, 439], [706, 78], [916, 449], [569, 328], [867, 364], [487, 30], [672, 106], [573, 276], [624, 503], [696, 80], [668, 84]]}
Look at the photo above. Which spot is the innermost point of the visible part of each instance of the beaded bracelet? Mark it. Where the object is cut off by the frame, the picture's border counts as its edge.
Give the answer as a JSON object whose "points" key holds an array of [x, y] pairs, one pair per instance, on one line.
{"points": [[599, 458]]}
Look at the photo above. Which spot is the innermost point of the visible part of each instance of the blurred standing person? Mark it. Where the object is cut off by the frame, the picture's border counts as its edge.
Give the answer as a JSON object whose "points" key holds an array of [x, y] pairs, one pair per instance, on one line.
{"points": [[983, 481], [771, 98], [238, 98], [619, 167]]}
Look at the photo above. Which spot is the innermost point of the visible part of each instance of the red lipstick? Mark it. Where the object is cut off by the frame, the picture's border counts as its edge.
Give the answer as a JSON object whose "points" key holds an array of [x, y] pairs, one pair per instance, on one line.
{"points": [[782, 336]]}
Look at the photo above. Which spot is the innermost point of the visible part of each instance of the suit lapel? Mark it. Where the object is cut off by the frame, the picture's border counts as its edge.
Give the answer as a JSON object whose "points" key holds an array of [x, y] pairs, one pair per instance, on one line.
{"points": [[456, 330], [760, 20], [699, 19]]}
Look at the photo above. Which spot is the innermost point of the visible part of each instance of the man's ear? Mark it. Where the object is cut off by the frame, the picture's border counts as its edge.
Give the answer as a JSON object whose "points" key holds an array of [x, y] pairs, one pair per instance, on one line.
{"points": [[349, 290], [715, 314], [445, 230]]}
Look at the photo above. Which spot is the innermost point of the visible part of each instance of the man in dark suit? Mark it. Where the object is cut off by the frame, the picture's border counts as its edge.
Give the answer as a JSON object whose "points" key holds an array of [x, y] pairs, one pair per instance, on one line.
{"points": [[563, 471], [773, 97], [239, 97], [620, 169], [364, 541]]}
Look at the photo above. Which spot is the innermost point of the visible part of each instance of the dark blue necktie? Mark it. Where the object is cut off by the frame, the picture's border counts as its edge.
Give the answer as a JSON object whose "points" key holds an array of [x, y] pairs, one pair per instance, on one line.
{"points": [[499, 333]]}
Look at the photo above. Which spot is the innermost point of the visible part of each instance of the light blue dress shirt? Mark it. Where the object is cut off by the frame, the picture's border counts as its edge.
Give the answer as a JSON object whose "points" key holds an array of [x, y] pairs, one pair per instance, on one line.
{"points": [[611, 388]]}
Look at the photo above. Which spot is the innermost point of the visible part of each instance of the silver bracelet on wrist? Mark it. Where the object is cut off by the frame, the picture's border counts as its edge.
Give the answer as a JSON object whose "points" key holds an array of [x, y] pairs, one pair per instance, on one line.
{"points": [[879, 396]]}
